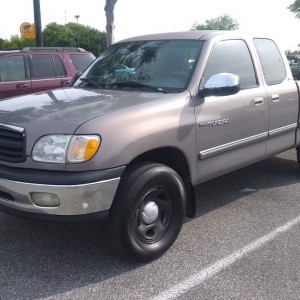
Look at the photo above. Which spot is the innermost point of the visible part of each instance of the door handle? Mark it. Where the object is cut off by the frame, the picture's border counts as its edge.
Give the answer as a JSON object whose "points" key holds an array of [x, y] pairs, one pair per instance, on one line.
{"points": [[66, 82], [22, 85], [275, 98], [258, 101]]}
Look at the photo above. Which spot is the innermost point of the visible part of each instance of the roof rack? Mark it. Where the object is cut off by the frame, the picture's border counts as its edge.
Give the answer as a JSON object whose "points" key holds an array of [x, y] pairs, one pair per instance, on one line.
{"points": [[53, 49], [8, 49]]}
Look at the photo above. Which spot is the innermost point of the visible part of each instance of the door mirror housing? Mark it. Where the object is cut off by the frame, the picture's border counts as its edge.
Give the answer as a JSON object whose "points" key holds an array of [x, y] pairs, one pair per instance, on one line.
{"points": [[221, 84], [75, 77]]}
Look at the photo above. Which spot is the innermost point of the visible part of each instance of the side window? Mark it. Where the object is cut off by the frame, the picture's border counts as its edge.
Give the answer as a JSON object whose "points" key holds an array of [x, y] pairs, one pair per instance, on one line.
{"points": [[59, 67], [271, 61], [42, 66], [82, 61], [231, 56], [12, 68]]}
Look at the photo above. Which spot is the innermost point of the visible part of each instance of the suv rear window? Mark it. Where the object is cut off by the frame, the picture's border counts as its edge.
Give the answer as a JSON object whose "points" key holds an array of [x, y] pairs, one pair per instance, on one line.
{"points": [[82, 61], [42, 66], [46, 66]]}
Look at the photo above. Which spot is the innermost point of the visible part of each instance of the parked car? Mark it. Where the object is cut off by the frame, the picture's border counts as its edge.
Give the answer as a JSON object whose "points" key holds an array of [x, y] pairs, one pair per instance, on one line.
{"points": [[40, 68], [294, 61]]}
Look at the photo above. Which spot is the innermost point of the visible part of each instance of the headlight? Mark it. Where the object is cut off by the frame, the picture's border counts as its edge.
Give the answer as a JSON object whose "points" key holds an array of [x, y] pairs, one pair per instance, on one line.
{"points": [[65, 148]]}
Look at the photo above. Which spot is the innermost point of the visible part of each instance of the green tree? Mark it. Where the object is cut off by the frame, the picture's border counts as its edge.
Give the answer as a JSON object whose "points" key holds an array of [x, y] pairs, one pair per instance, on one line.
{"points": [[91, 39], [16, 42], [56, 35], [224, 22], [2, 41], [295, 8]]}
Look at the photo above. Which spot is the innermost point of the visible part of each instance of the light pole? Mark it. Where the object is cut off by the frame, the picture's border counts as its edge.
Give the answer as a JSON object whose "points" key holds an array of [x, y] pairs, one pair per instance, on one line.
{"points": [[38, 23], [77, 17]]}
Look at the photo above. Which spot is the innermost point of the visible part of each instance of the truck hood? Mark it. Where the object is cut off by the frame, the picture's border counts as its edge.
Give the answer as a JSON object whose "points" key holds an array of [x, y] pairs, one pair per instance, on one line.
{"points": [[63, 110]]}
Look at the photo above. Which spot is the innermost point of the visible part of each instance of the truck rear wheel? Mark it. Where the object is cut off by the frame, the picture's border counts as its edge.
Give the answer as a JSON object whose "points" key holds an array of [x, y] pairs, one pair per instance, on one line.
{"points": [[148, 211]]}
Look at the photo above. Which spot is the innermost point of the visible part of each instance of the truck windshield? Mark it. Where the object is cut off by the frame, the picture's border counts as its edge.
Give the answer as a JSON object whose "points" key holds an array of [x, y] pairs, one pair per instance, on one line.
{"points": [[162, 65]]}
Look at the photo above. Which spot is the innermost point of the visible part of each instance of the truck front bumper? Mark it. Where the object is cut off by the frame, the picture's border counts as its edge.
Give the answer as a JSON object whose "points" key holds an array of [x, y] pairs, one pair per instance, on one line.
{"points": [[70, 196]]}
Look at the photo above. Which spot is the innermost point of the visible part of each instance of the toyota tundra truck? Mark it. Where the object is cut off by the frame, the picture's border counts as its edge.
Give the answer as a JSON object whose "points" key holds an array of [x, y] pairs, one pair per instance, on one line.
{"points": [[150, 119]]}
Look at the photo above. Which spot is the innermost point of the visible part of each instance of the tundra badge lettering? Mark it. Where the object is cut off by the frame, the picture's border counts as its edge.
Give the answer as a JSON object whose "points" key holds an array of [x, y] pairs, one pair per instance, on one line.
{"points": [[214, 123]]}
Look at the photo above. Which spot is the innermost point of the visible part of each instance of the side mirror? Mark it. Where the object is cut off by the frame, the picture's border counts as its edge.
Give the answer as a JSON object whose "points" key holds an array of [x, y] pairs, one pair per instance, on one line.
{"points": [[222, 84], [75, 77]]}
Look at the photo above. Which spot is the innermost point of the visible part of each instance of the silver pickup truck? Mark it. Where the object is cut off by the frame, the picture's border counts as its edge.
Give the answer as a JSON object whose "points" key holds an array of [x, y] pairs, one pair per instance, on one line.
{"points": [[151, 118]]}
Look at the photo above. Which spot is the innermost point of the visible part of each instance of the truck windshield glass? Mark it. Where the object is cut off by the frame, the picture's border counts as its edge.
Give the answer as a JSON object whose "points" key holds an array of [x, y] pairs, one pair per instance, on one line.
{"points": [[165, 65]]}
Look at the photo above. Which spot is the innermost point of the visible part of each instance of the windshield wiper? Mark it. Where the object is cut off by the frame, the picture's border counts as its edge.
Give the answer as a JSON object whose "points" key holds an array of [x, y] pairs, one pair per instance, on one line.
{"points": [[134, 84]]}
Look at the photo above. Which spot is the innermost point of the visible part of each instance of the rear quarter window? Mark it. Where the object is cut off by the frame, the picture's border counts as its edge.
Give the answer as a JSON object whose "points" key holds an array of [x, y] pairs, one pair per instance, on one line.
{"points": [[82, 61], [271, 61]]}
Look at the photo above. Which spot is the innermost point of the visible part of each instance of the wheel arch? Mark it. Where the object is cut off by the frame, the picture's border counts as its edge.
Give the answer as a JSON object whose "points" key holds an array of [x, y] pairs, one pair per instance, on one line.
{"points": [[176, 160]]}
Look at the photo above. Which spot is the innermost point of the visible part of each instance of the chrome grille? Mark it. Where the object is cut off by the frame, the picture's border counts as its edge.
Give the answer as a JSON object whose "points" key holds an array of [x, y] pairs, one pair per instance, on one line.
{"points": [[12, 143]]}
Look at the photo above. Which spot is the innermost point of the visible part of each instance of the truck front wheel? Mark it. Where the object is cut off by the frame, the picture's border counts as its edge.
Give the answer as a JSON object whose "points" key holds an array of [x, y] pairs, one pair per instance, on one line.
{"points": [[148, 211]]}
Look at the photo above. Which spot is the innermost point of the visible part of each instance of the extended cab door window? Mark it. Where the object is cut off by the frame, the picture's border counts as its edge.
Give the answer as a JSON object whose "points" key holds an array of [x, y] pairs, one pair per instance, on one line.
{"points": [[271, 61], [13, 81], [231, 130]]}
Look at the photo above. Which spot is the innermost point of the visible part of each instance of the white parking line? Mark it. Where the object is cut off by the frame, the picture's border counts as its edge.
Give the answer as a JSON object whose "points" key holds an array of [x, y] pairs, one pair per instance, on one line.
{"points": [[220, 265]]}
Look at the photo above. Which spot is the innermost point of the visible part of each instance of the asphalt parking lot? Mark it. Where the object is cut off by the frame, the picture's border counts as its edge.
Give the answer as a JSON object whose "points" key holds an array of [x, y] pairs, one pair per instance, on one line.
{"points": [[243, 244]]}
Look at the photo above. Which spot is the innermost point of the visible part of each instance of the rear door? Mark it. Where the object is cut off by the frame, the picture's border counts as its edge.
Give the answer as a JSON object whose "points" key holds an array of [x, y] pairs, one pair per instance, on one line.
{"points": [[231, 130], [14, 79], [47, 72], [282, 97]]}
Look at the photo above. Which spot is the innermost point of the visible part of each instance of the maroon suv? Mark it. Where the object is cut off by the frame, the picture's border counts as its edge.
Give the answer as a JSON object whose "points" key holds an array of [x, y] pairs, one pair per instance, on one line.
{"points": [[37, 69]]}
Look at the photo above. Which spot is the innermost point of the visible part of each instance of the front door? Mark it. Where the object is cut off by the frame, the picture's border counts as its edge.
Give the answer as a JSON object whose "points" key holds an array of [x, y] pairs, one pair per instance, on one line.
{"points": [[231, 130]]}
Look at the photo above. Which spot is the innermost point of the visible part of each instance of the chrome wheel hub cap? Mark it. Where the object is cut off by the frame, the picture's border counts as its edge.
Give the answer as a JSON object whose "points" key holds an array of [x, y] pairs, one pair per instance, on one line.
{"points": [[150, 213]]}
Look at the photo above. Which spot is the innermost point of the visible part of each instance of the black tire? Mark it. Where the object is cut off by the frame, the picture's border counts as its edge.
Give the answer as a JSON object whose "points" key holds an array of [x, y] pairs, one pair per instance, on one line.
{"points": [[148, 211]]}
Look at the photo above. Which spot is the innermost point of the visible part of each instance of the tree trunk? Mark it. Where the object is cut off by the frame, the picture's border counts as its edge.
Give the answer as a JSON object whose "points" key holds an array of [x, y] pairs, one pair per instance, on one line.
{"points": [[109, 12]]}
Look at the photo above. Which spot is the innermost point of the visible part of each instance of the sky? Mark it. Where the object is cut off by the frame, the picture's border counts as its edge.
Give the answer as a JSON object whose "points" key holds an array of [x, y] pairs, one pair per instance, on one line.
{"points": [[137, 17]]}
